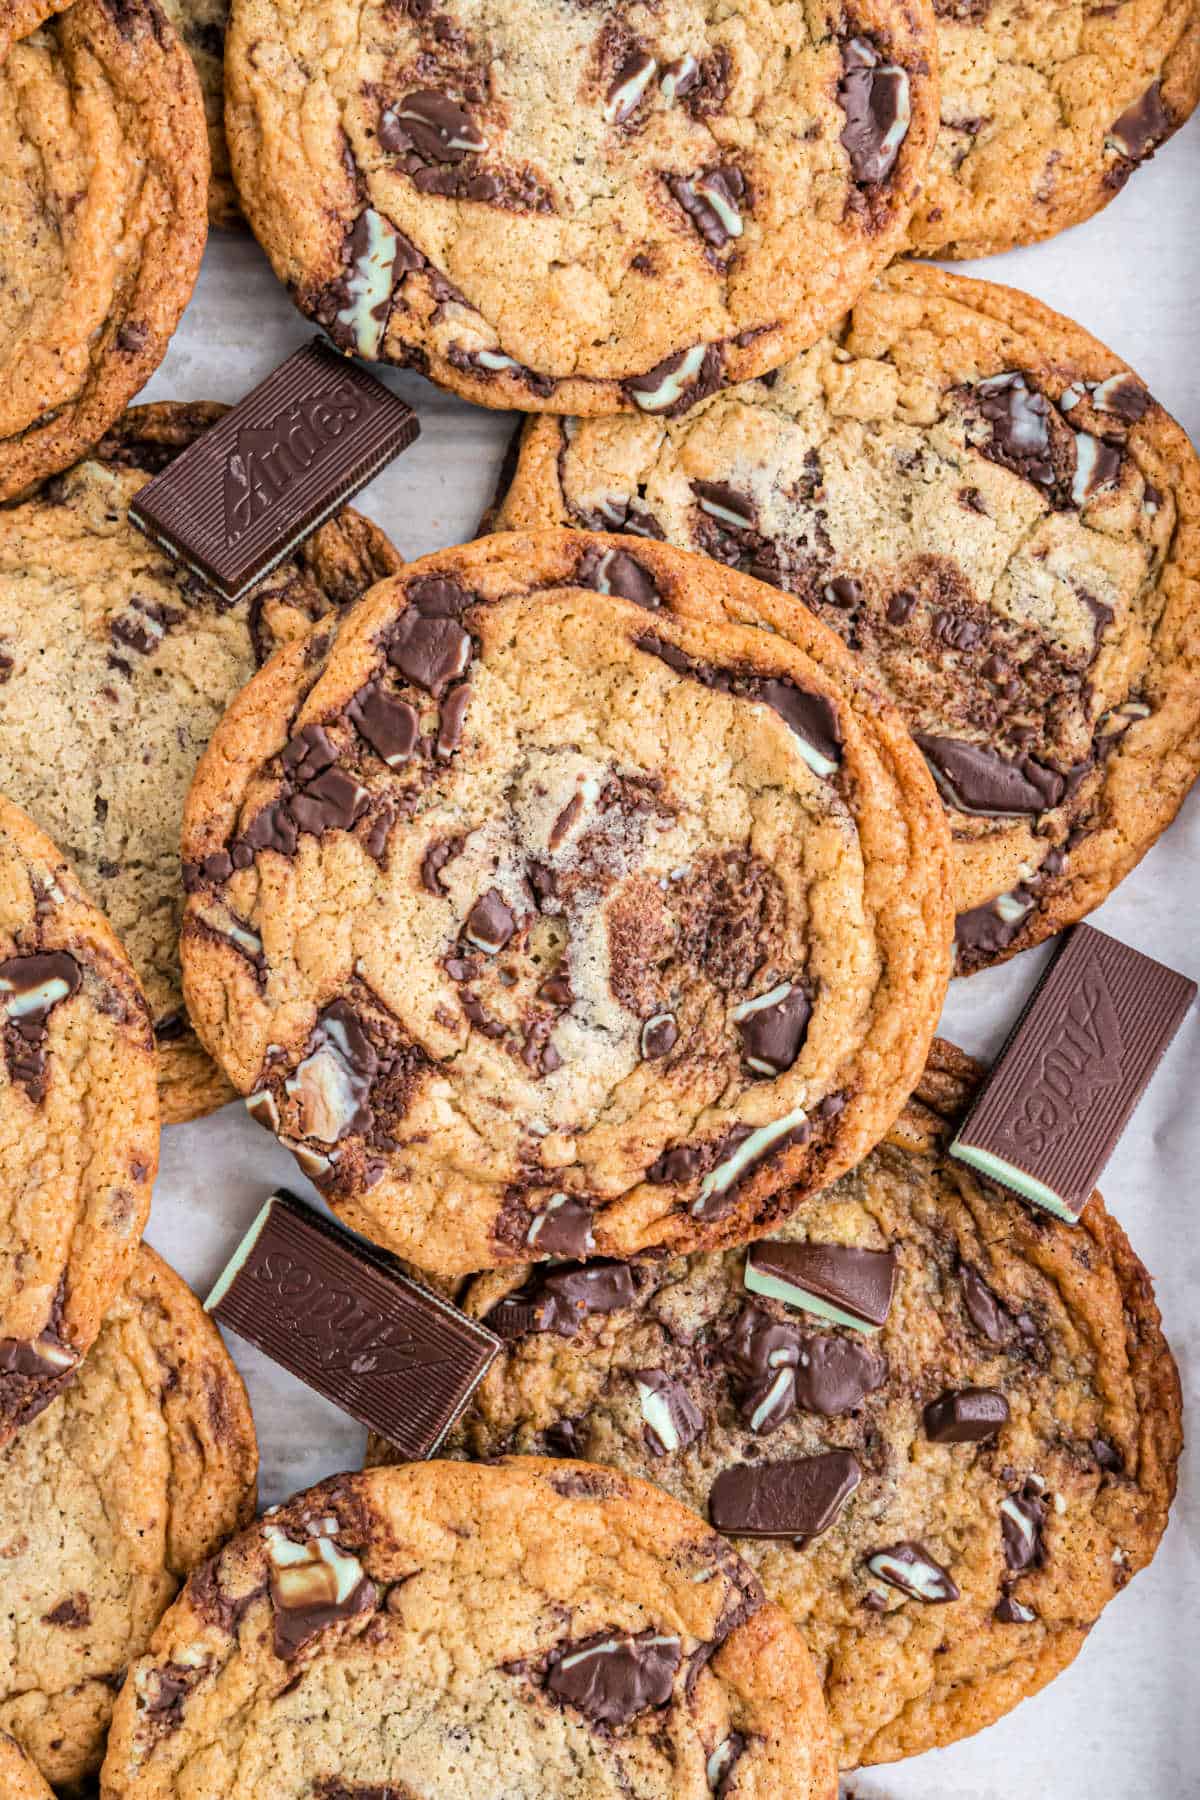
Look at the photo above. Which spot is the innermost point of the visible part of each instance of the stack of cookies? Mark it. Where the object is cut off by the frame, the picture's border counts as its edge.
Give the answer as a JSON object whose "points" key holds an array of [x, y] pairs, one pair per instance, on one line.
{"points": [[577, 905]]}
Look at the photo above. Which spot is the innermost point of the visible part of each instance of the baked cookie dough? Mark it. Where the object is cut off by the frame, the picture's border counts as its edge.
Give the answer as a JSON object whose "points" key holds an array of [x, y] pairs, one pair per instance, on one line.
{"points": [[575, 208], [530, 1629], [78, 1120], [1046, 111], [19, 1779], [116, 662], [542, 906], [138, 1471], [996, 1461], [993, 512], [103, 176]]}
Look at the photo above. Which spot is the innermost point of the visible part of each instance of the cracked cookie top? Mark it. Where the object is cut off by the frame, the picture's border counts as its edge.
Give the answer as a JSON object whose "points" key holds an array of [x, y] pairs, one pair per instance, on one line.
{"points": [[541, 907], [569, 208], [531, 1628], [138, 1471], [997, 516], [78, 1120], [19, 1778], [116, 662], [103, 175], [942, 1429], [1046, 111]]}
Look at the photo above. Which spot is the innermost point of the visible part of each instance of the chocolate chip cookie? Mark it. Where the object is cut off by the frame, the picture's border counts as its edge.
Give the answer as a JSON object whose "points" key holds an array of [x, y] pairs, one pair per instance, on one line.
{"points": [[1046, 111], [993, 512], [139, 1470], [19, 1779], [575, 208], [531, 1629], [941, 1429], [542, 907], [78, 1120], [103, 176], [115, 664]]}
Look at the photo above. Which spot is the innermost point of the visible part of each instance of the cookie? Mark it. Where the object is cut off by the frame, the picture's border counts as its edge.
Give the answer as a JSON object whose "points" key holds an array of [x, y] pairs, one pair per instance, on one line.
{"points": [[993, 512], [573, 208], [1046, 111], [116, 663], [19, 1779], [531, 1629], [543, 906], [103, 176], [974, 1478], [78, 1120], [137, 1472]]}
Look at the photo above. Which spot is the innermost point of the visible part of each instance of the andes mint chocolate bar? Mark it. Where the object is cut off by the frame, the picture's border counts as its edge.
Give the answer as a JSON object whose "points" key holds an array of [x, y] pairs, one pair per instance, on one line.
{"points": [[253, 486], [797, 1499], [337, 1313], [1073, 1069], [833, 1281]]}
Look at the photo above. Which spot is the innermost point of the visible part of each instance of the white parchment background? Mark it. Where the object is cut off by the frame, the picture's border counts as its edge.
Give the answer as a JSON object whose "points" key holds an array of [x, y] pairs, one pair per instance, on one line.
{"points": [[1125, 1719]]}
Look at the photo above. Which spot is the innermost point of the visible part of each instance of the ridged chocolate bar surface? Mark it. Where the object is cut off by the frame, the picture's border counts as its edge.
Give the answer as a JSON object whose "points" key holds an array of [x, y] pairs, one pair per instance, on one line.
{"points": [[274, 468], [338, 1315]]}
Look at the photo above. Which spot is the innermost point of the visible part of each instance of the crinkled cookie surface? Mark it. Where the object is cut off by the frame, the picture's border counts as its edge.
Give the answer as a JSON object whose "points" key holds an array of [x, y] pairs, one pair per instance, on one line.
{"points": [[527, 1629], [137, 1472], [103, 180], [19, 1779], [1000, 1550], [544, 907], [1046, 111], [563, 207], [116, 663], [78, 1120], [996, 515]]}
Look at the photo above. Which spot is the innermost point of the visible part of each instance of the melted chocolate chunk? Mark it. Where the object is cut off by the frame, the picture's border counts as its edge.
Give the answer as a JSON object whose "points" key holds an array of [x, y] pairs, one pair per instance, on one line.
{"points": [[1019, 417], [308, 1596], [734, 511], [617, 572], [432, 124], [835, 1375], [660, 1035], [811, 716], [430, 650], [1022, 1517], [965, 1416], [678, 382], [796, 1499], [317, 796], [978, 779], [779, 1368], [560, 1299], [714, 201], [390, 725], [451, 719], [875, 99], [31, 986], [331, 1085], [564, 1228], [773, 1030], [1143, 126], [915, 1572], [490, 923], [673, 1420], [853, 1286], [439, 853], [611, 1678]]}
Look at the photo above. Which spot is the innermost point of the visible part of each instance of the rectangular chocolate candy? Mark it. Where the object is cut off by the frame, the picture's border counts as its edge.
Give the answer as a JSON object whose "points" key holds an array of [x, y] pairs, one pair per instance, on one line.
{"points": [[253, 486], [1073, 1069], [339, 1314]]}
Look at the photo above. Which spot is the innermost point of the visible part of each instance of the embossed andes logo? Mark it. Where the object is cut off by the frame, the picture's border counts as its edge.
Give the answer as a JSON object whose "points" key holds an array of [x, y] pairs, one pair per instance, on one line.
{"points": [[340, 1329], [1080, 1061], [268, 460]]}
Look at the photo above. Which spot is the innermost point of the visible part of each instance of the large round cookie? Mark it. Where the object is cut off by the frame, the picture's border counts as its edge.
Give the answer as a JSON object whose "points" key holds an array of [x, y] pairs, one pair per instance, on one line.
{"points": [[19, 1778], [577, 208], [529, 1629], [1046, 111], [116, 663], [103, 176], [954, 1574], [139, 1470], [992, 511], [78, 1120], [542, 906]]}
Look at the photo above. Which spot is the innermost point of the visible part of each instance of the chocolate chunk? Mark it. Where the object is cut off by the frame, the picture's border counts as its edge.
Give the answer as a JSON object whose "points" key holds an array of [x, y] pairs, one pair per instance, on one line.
{"points": [[673, 1420], [796, 1499], [900, 607], [433, 125], [874, 96], [978, 779], [845, 592], [732, 510], [984, 930], [430, 650], [1143, 126], [439, 853], [721, 1765], [390, 725], [965, 1416], [990, 1318], [254, 485], [490, 924], [629, 85], [560, 1299], [1073, 1070], [812, 717], [915, 1572], [1022, 1517], [681, 1163], [611, 1678], [835, 1375], [315, 1583], [837, 1282], [678, 381], [556, 990], [1097, 466], [31, 986], [660, 1035], [338, 1314], [331, 1085], [764, 1356], [1123, 395], [333, 802], [1019, 418], [713, 200], [451, 719], [1014, 1612], [617, 572], [563, 1228], [773, 1027]]}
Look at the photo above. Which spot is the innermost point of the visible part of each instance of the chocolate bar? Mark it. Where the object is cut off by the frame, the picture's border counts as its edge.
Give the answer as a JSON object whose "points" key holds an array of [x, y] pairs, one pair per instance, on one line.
{"points": [[339, 1314], [285, 458], [1073, 1069]]}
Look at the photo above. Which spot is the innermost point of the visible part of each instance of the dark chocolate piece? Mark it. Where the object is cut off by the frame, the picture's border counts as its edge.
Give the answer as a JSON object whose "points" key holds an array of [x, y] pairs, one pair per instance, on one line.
{"points": [[1143, 126], [338, 1314], [610, 1678], [561, 1298], [315, 1582], [978, 779], [910, 1568], [965, 1416], [773, 1027], [562, 1228], [1072, 1071], [673, 1420], [1022, 1518], [837, 1282], [31, 986], [875, 99], [258, 482], [796, 1499]]}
